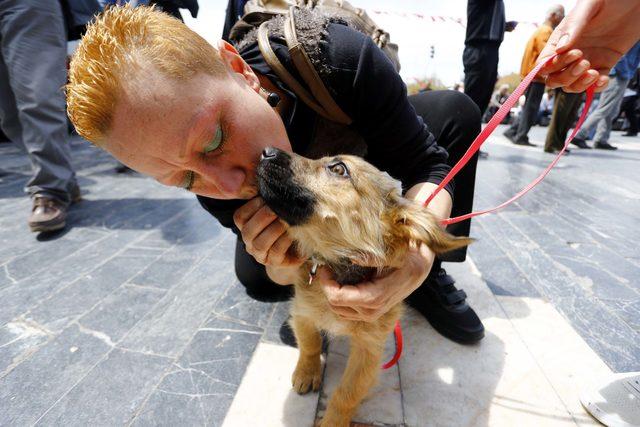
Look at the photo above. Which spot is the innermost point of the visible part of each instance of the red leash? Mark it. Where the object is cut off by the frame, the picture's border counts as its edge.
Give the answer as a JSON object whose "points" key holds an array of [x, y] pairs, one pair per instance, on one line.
{"points": [[475, 146], [397, 331], [488, 130]]}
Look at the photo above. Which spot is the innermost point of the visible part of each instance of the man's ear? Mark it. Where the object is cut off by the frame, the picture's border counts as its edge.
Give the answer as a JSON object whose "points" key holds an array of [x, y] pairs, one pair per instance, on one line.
{"points": [[236, 65]]}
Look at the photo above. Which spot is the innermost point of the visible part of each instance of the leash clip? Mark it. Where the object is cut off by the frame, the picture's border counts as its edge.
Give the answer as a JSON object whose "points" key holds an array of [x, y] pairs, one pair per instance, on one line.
{"points": [[313, 271]]}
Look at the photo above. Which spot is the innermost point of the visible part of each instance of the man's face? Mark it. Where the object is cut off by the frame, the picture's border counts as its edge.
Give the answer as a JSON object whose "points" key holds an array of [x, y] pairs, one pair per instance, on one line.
{"points": [[204, 133]]}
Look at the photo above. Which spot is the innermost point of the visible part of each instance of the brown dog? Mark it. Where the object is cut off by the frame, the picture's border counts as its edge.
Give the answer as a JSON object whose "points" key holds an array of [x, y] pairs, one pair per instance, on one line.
{"points": [[345, 214]]}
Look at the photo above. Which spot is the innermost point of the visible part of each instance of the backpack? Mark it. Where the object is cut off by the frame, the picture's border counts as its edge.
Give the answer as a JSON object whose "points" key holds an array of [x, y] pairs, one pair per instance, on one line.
{"points": [[314, 93]]}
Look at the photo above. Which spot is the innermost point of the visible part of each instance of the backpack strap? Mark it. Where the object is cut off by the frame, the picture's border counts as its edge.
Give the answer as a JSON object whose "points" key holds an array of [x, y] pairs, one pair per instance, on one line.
{"points": [[281, 71], [319, 98], [309, 74]]}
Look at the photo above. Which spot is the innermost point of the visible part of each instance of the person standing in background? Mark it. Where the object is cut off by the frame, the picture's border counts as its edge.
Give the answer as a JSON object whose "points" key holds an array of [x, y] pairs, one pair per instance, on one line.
{"points": [[630, 103], [519, 130], [546, 107], [33, 52], [485, 32], [610, 100], [172, 7], [565, 111]]}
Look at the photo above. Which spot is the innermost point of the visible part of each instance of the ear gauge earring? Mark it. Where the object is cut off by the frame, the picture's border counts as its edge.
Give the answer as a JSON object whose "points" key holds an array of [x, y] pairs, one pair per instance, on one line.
{"points": [[273, 99]]}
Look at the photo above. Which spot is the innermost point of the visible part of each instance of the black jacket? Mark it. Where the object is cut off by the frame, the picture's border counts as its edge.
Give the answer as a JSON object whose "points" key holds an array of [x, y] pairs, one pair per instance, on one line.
{"points": [[77, 14], [365, 84]]}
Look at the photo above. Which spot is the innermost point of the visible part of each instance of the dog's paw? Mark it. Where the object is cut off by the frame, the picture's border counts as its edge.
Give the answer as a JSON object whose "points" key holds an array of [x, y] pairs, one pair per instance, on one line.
{"points": [[307, 376]]}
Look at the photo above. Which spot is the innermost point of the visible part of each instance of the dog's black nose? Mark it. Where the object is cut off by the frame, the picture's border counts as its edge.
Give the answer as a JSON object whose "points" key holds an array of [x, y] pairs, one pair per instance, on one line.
{"points": [[269, 153]]}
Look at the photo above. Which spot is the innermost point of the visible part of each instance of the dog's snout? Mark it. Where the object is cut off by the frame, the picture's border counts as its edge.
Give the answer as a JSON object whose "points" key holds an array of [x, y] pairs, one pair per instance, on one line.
{"points": [[269, 153]]}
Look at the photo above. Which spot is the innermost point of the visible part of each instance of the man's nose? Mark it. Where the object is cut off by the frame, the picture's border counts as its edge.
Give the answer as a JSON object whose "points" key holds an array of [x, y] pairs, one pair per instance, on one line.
{"points": [[269, 153]]}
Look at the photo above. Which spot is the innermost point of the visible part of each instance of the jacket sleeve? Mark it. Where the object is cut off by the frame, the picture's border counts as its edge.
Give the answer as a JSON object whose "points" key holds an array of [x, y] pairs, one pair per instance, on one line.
{"points": [[367, 87], [222, 210]]}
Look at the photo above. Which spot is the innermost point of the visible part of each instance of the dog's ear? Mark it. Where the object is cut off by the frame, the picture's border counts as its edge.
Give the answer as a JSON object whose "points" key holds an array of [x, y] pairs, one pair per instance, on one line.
{"points": [[412, 223]]}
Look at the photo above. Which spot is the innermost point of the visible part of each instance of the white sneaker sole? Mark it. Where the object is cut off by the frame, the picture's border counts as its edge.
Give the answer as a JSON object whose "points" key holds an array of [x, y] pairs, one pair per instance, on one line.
{"points": [[616, 403]]}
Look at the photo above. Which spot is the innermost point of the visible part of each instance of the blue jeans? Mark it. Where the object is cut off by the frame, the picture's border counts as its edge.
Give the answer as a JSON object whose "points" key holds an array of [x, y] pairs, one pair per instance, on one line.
{"points": [[608, 109]]}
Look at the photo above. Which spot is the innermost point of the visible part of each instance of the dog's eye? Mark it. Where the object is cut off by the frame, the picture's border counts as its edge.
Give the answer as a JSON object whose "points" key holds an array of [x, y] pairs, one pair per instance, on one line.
{"points": [[339, 169]]}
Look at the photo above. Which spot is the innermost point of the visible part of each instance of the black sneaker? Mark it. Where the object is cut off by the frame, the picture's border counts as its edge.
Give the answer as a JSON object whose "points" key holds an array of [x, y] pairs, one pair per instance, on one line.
{"points": [[509, 134], [581, 143], [446, 309], [604, 146]]}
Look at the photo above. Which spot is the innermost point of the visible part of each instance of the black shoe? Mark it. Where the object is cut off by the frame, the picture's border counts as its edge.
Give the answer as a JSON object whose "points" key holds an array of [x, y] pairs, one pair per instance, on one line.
{"points": [[524, 142], [630, 134], [509, 134], [446, 309], [604, 146], [581, 143], [557, 150]]}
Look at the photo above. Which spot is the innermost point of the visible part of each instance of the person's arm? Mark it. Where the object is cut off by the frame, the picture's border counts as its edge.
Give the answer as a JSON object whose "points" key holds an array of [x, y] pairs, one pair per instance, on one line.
{"points": [[590, 40]]}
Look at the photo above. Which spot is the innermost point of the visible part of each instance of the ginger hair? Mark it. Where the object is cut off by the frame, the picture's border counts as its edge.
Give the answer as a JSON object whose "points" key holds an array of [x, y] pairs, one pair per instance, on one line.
{"points": [[116, 49]]}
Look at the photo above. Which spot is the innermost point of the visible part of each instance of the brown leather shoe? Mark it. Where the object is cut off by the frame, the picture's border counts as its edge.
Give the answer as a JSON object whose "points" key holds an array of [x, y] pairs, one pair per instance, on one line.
{"points": [[47, 214]]}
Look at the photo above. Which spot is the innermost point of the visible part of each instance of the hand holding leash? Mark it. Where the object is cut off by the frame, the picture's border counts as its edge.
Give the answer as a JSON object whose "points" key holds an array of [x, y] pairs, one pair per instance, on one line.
{"points": [[589, 42]]}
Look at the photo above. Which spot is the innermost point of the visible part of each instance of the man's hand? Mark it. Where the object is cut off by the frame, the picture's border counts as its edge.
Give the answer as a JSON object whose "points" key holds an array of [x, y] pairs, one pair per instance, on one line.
{"points": [[367, 301], [590, 40], [265, 235]]}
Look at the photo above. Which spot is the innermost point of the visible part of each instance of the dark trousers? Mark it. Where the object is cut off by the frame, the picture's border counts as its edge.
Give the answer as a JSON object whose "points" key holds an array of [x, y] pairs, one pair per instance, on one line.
{"points": [[33, 49], [480, 60], [455, 121], [565, 110], [527, 118], [629, 109]]}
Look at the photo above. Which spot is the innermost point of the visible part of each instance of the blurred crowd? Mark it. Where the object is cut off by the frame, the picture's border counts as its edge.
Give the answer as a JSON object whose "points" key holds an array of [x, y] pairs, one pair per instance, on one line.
{"points": [[616, 108]]}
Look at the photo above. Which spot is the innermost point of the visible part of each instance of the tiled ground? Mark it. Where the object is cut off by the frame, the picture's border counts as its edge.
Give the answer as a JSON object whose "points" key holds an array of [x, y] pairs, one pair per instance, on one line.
{"points": [[133, 314]]}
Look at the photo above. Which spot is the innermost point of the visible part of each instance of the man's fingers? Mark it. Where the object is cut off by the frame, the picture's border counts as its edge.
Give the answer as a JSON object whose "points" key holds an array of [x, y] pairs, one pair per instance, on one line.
{"points": [[292, 258], [263, 242], [560, 62], [246, 211], [366, 295], [581, 85], [279, 253], [257, 223], [569, 75], [602, 82]]}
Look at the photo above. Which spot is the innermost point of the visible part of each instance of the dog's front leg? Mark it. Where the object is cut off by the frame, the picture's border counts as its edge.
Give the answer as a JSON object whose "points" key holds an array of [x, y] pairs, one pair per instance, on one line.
{"points": [[360, 375], [308, 373]]}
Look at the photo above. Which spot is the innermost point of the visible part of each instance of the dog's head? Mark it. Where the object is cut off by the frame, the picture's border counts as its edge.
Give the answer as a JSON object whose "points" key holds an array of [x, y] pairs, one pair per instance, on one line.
{"points": [[342, 207]]}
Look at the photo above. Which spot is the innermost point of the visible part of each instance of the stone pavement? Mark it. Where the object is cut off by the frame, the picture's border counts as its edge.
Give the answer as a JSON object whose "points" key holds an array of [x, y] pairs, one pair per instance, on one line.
{"points": [[133, 314]]}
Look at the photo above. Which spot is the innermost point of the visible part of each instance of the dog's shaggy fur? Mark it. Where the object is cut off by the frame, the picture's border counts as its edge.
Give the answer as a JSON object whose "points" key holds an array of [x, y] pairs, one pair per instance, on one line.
{"points": [[344, 213]]}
